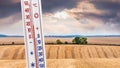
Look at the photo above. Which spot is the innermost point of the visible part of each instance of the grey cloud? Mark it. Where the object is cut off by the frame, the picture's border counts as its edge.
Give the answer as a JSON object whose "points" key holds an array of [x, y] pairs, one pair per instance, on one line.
{"points": [[8, 10], [111, 7], [55, 5], [7, 21], [106, 18], [8, 2], [9, 7]]}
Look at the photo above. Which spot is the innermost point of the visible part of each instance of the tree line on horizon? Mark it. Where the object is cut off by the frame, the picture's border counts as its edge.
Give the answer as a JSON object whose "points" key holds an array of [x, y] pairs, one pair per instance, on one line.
{"points": [[76, 40]]}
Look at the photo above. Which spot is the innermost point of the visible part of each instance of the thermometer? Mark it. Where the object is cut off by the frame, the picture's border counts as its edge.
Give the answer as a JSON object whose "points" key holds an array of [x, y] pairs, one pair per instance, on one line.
{"points": [[33, 30]]}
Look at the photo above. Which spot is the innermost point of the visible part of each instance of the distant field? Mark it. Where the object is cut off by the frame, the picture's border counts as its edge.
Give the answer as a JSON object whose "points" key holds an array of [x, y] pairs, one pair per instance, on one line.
{"points": [[10, 40], [104, 40], [63, 52], [91, 40]]}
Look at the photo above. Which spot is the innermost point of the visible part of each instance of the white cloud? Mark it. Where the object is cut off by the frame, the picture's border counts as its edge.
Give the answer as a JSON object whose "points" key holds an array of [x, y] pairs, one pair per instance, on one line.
{"points": [[11, 25], [14, 29]]}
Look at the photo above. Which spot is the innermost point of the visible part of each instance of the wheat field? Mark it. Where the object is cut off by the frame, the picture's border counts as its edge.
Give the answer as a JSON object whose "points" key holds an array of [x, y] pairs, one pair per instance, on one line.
{"points": [[63, 52], [64, 56], [82, 52], [66, 63]]}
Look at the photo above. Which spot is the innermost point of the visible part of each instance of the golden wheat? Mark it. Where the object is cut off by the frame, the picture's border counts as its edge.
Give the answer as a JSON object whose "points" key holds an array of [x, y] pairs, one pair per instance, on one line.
{"points": [[63, 52]]}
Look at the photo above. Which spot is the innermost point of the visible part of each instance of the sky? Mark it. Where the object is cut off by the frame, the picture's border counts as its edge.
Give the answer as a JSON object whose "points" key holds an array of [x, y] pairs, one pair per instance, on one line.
{"points": [[65, 17]]}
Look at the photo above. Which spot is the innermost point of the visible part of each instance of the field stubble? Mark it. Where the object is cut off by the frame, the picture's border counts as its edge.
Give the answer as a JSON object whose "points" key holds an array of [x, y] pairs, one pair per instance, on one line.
{"points": [[65, 56], [63, 52]]}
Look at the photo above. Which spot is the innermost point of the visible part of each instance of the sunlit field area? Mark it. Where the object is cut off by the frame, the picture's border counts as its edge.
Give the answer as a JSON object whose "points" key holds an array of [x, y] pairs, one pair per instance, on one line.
{"points": [[98, 53]]}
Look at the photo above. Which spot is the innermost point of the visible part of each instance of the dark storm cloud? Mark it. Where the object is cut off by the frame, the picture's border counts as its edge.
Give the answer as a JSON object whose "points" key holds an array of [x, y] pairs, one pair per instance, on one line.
{"points": [[111, 7], [106, 18], [7, 10], [9, 7], [8, 2], [107, 5], [5, 2], [56, 5]]}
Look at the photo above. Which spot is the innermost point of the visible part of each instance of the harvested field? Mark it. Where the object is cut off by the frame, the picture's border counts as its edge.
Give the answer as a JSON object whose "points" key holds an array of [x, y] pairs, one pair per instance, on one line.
{"points": [[12, 52], [66, 63], [63, 52], [64, 56]]}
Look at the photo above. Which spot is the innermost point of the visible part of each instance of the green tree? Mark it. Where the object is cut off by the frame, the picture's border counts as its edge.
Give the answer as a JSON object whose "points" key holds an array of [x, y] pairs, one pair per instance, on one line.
{"points": [[77, 40], [13, 43], [83, 40], [80, 40], [58, 41], [65, 42], [73, 41]]}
